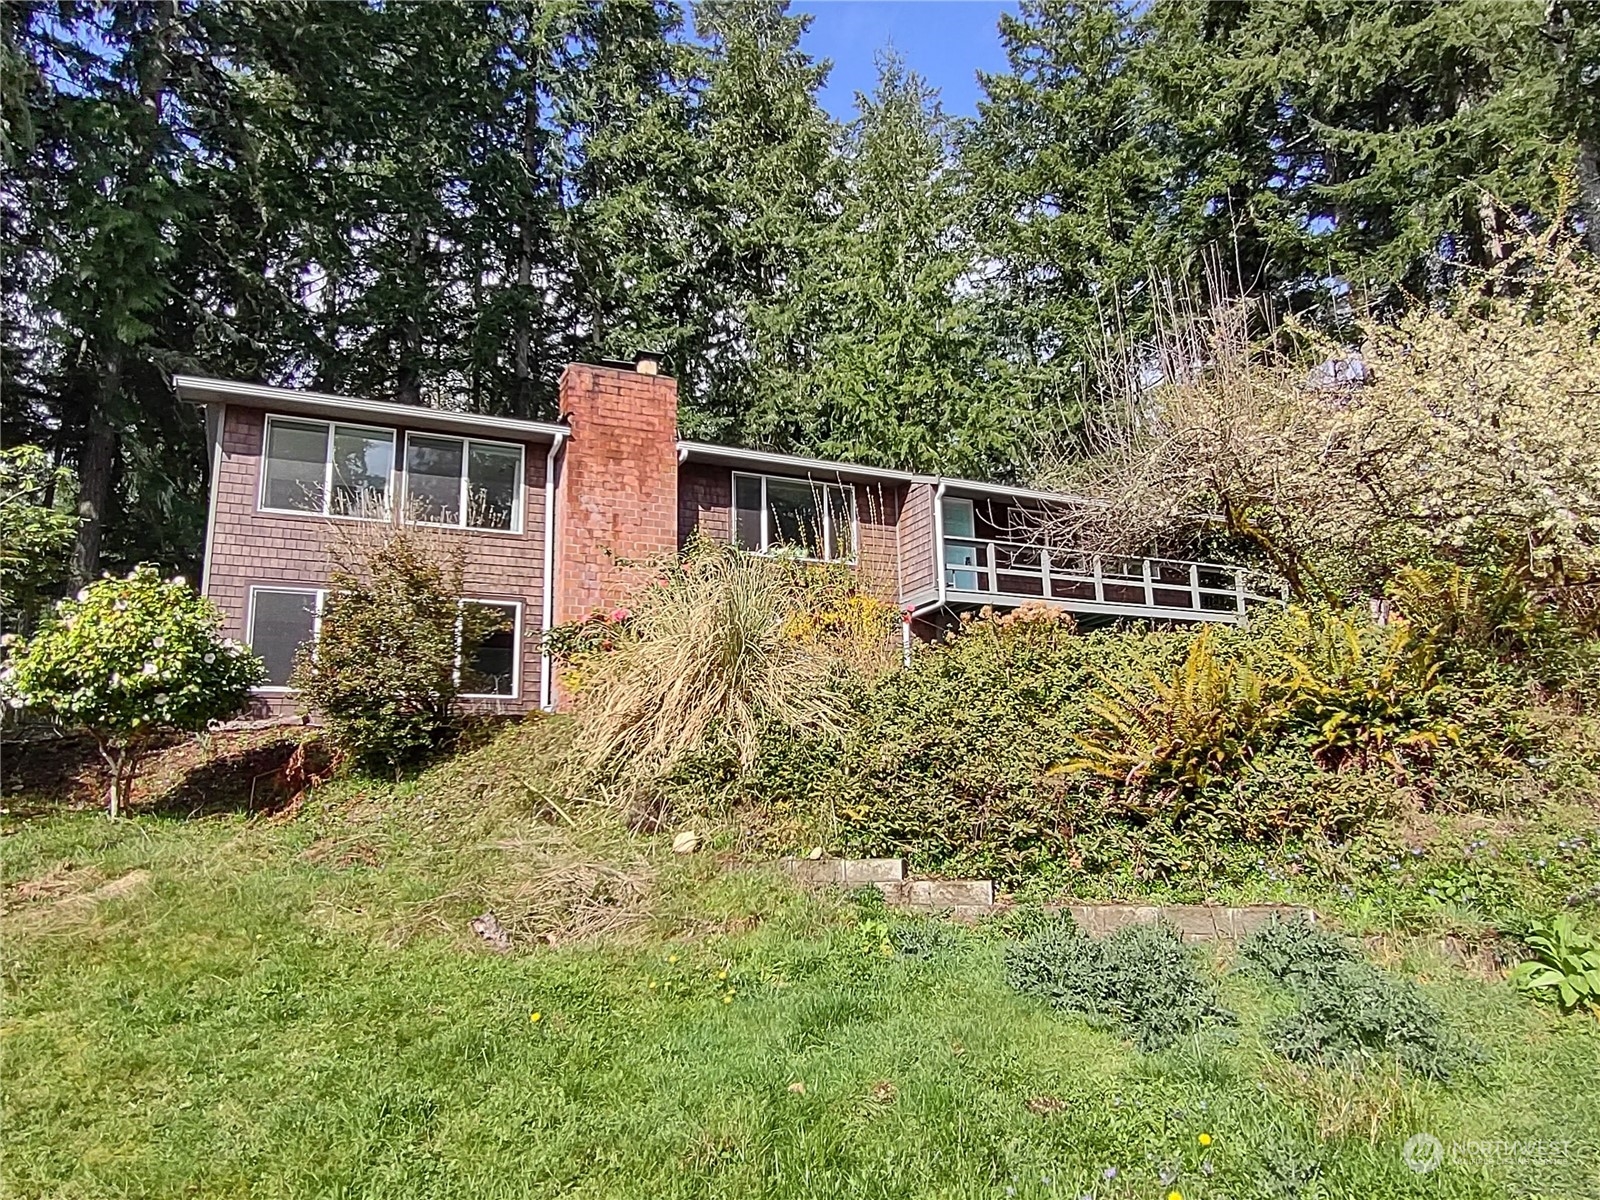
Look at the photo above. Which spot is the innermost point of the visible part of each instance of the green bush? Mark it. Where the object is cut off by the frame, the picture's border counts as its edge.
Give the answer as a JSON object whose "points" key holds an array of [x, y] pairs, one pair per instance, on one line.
{"points": [[383, 671], [129, 659], [1186, 734], [1346, 1009], [1141, 978]]}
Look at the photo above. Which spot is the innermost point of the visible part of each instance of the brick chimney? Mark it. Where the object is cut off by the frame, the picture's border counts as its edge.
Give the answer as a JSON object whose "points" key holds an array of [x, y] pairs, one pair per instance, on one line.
{"points": [[617, 483]]}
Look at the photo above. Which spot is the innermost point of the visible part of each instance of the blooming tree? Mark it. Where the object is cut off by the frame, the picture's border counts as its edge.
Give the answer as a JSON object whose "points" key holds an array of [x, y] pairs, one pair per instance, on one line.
{"points": [[128, 659]]}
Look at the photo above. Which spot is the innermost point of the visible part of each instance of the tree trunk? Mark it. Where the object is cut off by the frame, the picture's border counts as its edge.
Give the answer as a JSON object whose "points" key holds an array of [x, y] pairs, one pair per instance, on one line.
{"points": [[1587, 169], [122, 758], [97, 462]]}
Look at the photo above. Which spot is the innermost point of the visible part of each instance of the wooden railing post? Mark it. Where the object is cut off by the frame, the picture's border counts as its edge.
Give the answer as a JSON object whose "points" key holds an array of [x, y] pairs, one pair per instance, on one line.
{"points": [[1099, 582], [1238, 590], [1044, 571], [1194, 584], [994, 575], [1149, 592]]}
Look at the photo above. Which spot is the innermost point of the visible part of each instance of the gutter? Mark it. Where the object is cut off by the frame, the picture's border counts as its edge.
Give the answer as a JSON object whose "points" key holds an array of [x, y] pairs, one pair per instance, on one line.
{"points": [[548, 584]]}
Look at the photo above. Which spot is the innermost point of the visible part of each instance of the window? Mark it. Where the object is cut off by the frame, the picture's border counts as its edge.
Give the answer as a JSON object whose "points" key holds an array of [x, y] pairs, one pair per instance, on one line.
{"points": [[816, 519], [458, 481], [332, 470], [491, 641], [281, 621]]}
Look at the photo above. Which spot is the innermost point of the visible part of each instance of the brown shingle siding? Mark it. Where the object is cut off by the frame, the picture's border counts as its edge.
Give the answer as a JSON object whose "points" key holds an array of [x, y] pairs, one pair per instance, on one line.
{"points": [[250, 548]]}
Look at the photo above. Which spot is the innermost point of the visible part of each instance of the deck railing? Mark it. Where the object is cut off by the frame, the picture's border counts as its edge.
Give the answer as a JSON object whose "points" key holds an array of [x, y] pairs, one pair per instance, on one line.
{"points": [[1002, 568]]}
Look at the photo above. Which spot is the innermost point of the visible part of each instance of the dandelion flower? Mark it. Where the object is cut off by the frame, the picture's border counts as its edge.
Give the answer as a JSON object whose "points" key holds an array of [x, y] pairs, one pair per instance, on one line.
{"points": [[672, 958], [1204, 1139], [1174, 1195], [652, 985], [728, 999], [722, 974], [534, 1018]]}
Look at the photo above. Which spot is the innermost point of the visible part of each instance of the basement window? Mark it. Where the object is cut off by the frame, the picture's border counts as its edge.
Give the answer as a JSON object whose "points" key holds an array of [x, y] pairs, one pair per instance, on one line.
{"points": [[464, 482], [490, 644], [281, 621], [815, 520], [326, 469]]}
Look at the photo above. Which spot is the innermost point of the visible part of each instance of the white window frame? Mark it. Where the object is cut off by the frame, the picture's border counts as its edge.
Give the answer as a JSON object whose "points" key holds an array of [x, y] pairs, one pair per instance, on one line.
{"points": [[517, 511], [516, 646], [332, 428], [827, 527], [276, 689]]}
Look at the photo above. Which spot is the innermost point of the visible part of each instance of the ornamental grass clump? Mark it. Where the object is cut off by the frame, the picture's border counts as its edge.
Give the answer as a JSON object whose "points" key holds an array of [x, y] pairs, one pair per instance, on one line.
{"points": [[709, 663], [128, 660]]}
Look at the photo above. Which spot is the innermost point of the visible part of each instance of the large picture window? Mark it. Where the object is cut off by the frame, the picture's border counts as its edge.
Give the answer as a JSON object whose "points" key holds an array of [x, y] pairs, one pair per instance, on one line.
{"points": [[281, 621], [328, 469], [817, 520], [490, 646], [463, 482]]}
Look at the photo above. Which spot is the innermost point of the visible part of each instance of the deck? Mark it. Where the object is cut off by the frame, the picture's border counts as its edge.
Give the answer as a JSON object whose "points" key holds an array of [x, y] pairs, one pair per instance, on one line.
{"points": [[981, 571]]}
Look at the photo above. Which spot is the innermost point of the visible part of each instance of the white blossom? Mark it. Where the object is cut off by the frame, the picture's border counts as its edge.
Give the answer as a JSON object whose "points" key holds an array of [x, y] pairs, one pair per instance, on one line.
{"points": [[158, 642], [210, 657], [83, 594], [149, 668]]}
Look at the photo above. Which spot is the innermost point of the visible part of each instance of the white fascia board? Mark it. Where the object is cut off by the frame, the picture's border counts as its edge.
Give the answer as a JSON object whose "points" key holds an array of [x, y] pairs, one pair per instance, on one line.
{"points": [[199, 390]]}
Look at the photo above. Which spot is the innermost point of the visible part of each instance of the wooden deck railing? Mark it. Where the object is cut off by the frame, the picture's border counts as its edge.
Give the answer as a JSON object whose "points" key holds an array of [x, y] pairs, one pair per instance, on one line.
{"points": [[1026, 570]]}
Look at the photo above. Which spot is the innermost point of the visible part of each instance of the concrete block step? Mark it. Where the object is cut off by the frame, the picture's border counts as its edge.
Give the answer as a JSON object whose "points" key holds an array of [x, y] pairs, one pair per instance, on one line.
{"points": [[844, 872]]}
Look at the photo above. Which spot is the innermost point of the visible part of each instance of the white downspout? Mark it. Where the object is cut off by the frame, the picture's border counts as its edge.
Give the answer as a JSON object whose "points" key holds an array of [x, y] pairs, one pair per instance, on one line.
{"points": [[546, 699]]}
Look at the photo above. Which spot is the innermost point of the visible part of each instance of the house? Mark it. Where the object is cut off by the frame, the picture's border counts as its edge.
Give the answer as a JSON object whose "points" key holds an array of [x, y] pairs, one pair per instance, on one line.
{"points": [[550, 514]]}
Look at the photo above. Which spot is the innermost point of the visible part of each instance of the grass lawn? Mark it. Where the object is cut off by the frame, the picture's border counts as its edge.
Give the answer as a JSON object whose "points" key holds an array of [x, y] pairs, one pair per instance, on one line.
{"points": [[295, 1006]]}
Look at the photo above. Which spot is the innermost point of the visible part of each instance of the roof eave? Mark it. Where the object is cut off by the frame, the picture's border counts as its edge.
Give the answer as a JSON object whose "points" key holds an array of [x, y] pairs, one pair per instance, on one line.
{"points": [[196, 389]]}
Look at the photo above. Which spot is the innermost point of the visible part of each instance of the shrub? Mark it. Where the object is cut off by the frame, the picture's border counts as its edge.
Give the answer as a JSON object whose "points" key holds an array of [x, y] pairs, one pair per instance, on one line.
{"points": [[1141, 977], [1346, 1009], [129, 659], [1191, 731], [34, 534], [383, 671], [710, 663], [1359, 690]]}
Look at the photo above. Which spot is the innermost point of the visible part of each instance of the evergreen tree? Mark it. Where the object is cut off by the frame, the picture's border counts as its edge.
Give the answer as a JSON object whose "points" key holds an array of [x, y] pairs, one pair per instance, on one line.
{"points": [[898, 372]]}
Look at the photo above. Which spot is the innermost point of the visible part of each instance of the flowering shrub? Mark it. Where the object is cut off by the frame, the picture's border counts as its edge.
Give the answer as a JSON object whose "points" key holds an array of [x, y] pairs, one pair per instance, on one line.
{"points": [[127, 659]]}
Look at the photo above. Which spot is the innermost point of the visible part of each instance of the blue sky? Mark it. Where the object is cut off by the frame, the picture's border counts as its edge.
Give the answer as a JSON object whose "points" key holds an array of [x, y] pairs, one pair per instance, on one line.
{"points": [[945, 41]]}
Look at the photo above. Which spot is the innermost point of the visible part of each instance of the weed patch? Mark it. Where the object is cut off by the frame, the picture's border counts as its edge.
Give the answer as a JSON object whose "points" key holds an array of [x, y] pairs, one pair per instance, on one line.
{"points": [[1140, 979]]}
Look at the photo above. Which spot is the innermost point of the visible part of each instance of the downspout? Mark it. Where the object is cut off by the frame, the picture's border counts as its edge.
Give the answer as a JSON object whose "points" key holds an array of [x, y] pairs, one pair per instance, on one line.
{"points": [[216, 423], [546, 699]]}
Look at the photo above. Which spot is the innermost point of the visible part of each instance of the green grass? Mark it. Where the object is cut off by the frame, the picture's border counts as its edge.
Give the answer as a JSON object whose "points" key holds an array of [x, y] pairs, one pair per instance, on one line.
{"points": [[294, 1007]]}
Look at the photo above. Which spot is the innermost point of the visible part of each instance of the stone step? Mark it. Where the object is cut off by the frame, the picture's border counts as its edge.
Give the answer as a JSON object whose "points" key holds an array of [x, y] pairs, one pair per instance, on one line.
{"points": [[936, 894], [845, 872]]}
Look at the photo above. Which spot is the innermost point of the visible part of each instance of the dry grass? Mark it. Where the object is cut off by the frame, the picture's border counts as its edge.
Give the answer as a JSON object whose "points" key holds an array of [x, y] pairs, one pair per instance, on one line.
{"points": [[557, 892], [711, 661], [1370, 1105]]}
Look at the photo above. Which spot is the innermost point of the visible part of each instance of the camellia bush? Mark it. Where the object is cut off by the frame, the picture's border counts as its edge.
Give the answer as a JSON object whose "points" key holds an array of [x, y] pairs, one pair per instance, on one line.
{"points": [[128, 660]]}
